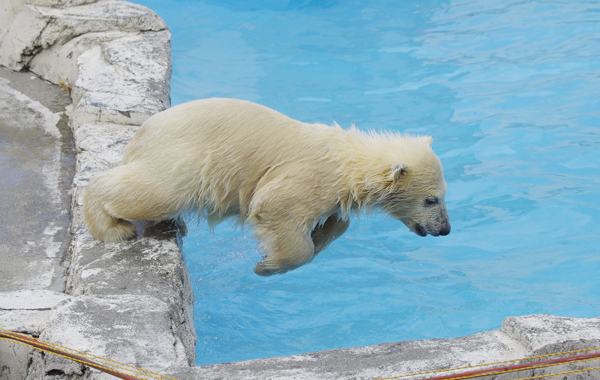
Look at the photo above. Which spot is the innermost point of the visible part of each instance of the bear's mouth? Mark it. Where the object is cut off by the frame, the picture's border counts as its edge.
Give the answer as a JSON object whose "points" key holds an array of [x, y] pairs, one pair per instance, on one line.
{"points": [[419, 230]]}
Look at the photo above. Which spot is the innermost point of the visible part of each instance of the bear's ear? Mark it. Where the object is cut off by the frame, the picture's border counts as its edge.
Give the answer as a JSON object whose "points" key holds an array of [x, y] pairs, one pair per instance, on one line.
{"points": [[399, 170], [429, 140]]}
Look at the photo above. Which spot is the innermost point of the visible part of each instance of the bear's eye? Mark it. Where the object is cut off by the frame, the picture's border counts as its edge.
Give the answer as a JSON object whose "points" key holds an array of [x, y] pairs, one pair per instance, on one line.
{"points": [[431, 201]]}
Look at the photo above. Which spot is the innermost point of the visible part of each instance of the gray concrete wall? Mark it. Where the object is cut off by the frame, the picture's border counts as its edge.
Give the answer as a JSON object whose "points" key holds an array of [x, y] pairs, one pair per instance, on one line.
{"points": [[132, 301]]}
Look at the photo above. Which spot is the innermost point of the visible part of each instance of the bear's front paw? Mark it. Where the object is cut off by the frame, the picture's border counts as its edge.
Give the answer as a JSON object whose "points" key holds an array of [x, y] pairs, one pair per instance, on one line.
{"points": [[262, 269]]}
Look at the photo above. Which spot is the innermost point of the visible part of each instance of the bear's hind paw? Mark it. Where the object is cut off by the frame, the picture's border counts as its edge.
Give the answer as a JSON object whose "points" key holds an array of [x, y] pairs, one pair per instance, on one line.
{"points": [[119, 231]]}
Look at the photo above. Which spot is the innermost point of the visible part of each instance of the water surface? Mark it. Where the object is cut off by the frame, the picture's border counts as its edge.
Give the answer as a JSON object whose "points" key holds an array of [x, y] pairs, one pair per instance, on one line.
{"points": [[509, 92]]}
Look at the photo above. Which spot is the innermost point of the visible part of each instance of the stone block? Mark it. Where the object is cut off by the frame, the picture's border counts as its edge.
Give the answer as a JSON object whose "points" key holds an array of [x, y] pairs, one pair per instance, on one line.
{"points": [[37, 27], [534, 332], [15, 359], [8, 11], [39, 299], [106, 141], [45, 62], [20, 40], [123, 81], [132, 329]]}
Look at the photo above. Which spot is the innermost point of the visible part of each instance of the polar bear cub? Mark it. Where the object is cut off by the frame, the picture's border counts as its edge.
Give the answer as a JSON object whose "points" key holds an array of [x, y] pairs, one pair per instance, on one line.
{"points": [[295, 183]]}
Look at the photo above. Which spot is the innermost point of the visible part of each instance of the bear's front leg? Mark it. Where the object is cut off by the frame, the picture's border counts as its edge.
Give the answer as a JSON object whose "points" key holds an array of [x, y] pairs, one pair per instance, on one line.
{"points": [[285, 243], [284, 212]]}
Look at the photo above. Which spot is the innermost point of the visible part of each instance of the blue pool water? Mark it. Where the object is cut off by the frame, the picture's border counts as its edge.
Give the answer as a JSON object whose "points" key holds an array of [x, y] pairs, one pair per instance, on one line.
{"points": [[509, 90]]}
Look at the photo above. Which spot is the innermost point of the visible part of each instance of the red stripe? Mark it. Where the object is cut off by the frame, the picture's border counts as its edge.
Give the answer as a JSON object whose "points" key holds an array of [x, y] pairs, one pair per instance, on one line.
{"points": [[516, 367], [37, 344]]}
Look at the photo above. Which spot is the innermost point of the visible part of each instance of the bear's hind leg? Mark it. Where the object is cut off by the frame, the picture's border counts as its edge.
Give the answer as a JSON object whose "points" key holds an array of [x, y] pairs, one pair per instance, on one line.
{"points": [[131, 191], [99, 222]]}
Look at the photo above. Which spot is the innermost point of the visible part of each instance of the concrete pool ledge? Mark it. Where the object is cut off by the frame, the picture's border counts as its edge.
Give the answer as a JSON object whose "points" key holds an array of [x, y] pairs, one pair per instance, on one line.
{"points": [[133, 301], [518, 337]]}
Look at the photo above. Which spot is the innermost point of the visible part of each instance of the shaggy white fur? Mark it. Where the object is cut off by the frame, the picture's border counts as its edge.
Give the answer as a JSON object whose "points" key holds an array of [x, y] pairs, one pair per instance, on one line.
{"points": [[295, 183]]}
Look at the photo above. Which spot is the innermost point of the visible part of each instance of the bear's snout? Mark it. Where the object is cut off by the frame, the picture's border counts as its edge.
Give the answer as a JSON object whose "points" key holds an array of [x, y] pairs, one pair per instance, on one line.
{"points": [[441, 223], [445, 229], [439, 227]]}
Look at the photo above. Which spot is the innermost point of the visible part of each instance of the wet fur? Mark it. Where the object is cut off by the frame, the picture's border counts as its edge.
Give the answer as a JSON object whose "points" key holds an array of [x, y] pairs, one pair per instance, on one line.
{"points": [[295, 183]]}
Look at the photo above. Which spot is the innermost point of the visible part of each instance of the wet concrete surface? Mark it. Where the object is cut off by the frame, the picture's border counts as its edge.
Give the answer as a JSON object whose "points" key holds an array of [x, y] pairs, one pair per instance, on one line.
{"points": [[37, 162]]}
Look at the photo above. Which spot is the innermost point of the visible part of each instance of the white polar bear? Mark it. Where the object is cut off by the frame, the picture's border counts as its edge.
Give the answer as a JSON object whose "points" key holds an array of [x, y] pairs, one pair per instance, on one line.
{"points": [[295, 183]]}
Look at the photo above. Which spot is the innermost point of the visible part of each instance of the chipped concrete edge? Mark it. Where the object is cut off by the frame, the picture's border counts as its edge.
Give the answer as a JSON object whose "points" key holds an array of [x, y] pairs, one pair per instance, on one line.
{"points": [[133, 301]]}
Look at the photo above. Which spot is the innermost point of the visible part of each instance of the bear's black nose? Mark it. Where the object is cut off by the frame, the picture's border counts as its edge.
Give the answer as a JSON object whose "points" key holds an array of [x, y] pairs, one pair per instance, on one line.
{"points": [[446, 230]]}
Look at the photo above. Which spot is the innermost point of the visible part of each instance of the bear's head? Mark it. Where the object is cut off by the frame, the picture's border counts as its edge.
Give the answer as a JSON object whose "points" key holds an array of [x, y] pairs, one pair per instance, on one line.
{"points": [[416, 190]]}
